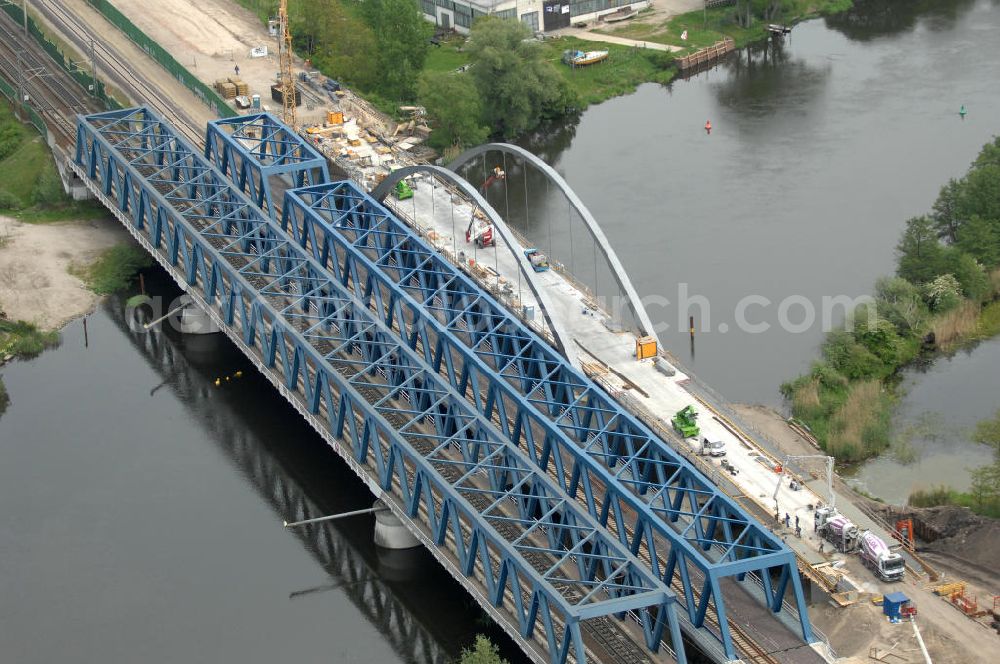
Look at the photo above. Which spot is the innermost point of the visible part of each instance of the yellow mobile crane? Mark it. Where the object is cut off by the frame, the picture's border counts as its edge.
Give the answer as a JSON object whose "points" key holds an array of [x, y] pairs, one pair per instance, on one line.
{"points": [[287, 81]]}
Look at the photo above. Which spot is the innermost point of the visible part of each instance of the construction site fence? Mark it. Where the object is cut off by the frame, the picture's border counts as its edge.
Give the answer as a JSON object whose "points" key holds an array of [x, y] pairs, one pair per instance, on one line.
{"points": [[10, 92], [209, 96], [78, 70]]}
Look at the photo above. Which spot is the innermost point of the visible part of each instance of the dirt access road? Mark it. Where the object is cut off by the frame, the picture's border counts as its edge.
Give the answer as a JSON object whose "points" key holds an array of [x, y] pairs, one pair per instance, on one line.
{"points": [[35, 259], [211, 38], [950, 636]]}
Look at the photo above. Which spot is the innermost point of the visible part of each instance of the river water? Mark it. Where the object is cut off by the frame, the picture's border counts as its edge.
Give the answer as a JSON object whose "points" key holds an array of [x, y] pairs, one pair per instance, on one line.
{"points": [[142, 519], [821, 148], [142, 504]]}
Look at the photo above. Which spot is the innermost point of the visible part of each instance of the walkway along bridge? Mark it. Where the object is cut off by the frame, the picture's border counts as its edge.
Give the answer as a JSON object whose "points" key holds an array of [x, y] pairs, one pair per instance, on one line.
{"points": [[559, 511]]}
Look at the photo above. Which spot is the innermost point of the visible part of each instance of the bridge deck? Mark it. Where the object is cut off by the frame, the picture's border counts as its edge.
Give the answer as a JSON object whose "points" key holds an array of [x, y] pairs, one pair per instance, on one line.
{"points": [[479, 503]]}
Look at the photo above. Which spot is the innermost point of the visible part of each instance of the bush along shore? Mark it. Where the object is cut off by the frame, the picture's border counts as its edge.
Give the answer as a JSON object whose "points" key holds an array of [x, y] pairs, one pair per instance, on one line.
{"points": [[946, 293]]}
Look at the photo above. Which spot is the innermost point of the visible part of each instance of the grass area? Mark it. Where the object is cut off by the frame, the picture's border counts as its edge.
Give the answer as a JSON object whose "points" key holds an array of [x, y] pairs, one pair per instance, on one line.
{"points": [[24, 340], [625, 69], [69, 211], [943, 495], [705, 27], [114, 270], [447, 57], [22, 169], [30, 187]]}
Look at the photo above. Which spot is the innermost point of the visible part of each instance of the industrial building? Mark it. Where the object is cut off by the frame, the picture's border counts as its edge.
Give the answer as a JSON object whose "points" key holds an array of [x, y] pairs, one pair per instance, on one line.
{"points": [[539, 15]]}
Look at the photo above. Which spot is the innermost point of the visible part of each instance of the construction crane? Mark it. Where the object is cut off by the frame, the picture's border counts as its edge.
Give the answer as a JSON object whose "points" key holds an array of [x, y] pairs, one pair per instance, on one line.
{"points": [[287, 81], [829, 475]]}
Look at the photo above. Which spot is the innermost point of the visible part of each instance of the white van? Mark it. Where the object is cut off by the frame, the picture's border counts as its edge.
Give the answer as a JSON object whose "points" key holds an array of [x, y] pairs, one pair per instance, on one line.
{"points": [[712, 446]]}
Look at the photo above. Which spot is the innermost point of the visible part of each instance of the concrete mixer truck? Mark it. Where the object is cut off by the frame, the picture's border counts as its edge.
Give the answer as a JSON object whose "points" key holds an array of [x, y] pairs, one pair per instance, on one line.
{"points": [[837, 529], [875, 554]]}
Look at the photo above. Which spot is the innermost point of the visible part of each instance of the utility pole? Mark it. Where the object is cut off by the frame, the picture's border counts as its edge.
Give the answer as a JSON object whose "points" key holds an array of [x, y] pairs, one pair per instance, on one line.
{"points": [[93, 68]]}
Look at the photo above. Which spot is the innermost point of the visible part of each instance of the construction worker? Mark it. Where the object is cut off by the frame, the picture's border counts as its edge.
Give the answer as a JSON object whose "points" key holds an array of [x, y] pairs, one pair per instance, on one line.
{"points": [[237, 69], [788, 521], [798, 531], [821, 546], [796, 522]]}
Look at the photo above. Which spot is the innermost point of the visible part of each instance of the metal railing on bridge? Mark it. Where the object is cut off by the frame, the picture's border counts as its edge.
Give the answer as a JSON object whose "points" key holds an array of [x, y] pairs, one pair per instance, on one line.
{"points": [[536, 561]]}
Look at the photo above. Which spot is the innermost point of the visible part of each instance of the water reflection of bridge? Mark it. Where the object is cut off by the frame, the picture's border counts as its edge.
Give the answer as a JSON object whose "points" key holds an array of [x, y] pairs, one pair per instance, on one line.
{"points": [[349, 567]]}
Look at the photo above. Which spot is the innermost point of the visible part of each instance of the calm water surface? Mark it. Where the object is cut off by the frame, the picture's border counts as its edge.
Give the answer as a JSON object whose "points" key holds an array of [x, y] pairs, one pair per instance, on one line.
{"points": [[142, 505]]}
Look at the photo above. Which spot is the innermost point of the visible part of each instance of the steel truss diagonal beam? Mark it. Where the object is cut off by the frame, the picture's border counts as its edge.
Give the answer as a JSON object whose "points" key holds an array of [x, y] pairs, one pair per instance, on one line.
{"points": [[690, 533], [252, 149], [539, 562]]}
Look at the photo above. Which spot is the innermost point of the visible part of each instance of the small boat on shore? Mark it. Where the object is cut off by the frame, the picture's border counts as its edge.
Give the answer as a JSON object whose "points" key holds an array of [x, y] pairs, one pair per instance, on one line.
{"points": [[622, 14], [582, 59]]}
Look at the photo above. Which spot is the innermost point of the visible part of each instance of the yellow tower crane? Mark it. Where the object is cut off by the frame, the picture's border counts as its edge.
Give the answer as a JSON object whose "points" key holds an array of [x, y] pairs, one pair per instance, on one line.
{"points": [[287, 81]]}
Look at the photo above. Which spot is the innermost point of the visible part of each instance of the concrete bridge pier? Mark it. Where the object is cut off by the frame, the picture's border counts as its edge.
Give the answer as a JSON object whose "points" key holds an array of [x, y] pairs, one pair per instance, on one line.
{"points": [[397, 549]]}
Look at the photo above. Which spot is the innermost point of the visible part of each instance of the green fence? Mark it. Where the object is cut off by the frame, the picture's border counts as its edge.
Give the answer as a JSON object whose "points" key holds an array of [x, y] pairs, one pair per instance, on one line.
{"points": [[79, 75], [158, 53]]}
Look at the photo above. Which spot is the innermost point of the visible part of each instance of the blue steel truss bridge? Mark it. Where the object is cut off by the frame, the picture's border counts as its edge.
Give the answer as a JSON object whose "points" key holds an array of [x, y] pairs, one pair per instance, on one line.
{"points": [[580, 531]]}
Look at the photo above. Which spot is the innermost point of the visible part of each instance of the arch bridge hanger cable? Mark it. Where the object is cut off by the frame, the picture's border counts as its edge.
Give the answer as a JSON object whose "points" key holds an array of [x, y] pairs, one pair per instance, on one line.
{"points": [[634, 304], [561, 337]]}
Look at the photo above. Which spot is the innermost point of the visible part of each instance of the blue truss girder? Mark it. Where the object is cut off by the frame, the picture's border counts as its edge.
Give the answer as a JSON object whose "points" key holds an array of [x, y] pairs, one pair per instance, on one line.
{"points": [[249, 149], [653, 499], [538, 556]]}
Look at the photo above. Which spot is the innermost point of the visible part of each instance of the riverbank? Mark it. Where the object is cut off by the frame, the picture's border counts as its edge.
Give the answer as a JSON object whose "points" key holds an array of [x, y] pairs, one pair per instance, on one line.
{"points": [[945, 295], [37, 261]]}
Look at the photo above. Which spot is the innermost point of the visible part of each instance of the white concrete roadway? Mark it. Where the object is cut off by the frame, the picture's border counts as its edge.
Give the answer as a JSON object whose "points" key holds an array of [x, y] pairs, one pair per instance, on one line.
{"points": [[667, 395]]}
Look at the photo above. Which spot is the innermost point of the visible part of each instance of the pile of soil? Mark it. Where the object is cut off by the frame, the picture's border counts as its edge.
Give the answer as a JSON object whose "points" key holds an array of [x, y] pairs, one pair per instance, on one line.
{"points": [[950, 530]]}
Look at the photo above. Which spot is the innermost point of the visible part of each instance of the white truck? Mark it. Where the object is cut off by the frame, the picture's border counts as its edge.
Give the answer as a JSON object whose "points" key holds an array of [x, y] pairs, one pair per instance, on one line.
{"points": [[886, 565], [837, 529]]}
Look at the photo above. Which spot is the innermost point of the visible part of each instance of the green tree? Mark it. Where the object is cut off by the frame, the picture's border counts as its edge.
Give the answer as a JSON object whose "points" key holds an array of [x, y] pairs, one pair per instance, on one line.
{"points": [[850, 358], [980, 239], [402, 38], [981, 193], [988, 432], [344, 46], [944, 293], [482, 652], [919, 251], [971, 276], [946, 210], [990, 154], [900, 302], [454, 108], [510, 71], [985, 486]]}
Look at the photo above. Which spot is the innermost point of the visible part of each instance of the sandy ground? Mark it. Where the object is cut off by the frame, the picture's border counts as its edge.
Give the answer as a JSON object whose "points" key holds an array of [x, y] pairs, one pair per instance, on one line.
{"points": [[950, 636], [212, 37], [35, 283]]}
